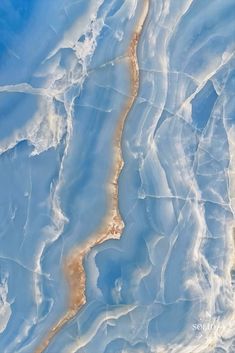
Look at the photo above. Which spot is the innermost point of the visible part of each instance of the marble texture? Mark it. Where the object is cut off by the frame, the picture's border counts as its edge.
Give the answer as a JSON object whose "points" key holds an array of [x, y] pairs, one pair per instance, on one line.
{"points": [[117, 176]]}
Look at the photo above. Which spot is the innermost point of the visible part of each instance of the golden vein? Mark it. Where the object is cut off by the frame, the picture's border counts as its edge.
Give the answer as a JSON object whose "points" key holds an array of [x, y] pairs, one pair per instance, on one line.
{"points": [[113, 225]]}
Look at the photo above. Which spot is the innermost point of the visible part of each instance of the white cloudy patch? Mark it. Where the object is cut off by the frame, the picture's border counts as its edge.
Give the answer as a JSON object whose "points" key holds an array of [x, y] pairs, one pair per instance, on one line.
{"points": [[5, 307]]}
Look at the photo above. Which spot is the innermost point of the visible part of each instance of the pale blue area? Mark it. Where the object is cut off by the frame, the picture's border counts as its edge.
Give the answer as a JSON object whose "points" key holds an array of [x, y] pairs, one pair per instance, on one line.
{"points": [[202, 105], [149, 288], [16, 110]]}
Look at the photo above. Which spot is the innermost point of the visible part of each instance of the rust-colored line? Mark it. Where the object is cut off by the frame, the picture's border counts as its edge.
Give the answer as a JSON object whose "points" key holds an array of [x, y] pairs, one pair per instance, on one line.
{"points": [[113, 225]]}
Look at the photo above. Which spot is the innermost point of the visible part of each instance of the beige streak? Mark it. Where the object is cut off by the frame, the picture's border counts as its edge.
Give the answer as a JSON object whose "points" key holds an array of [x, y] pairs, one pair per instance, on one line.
{"points": [[112, 225]]}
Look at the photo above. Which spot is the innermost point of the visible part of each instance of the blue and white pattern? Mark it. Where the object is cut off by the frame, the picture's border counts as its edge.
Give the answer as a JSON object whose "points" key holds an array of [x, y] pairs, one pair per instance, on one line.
{"points": [[167, 285]]}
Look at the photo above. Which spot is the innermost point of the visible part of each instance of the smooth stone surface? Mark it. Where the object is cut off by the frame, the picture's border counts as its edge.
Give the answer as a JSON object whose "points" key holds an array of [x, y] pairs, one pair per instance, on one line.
{"points": [[167, 285]]}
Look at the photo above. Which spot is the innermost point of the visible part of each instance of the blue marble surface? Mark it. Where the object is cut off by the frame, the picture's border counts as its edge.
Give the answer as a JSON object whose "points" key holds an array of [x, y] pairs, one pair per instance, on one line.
{"points": [[166, 285]]}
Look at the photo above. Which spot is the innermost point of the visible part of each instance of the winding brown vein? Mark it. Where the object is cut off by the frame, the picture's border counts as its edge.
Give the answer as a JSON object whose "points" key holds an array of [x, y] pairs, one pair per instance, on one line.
{"points": [[113, 225]]}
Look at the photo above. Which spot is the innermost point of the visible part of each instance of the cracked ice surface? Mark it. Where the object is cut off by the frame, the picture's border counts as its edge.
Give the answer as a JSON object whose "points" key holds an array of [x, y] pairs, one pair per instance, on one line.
{"points": [[168, 284]]}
